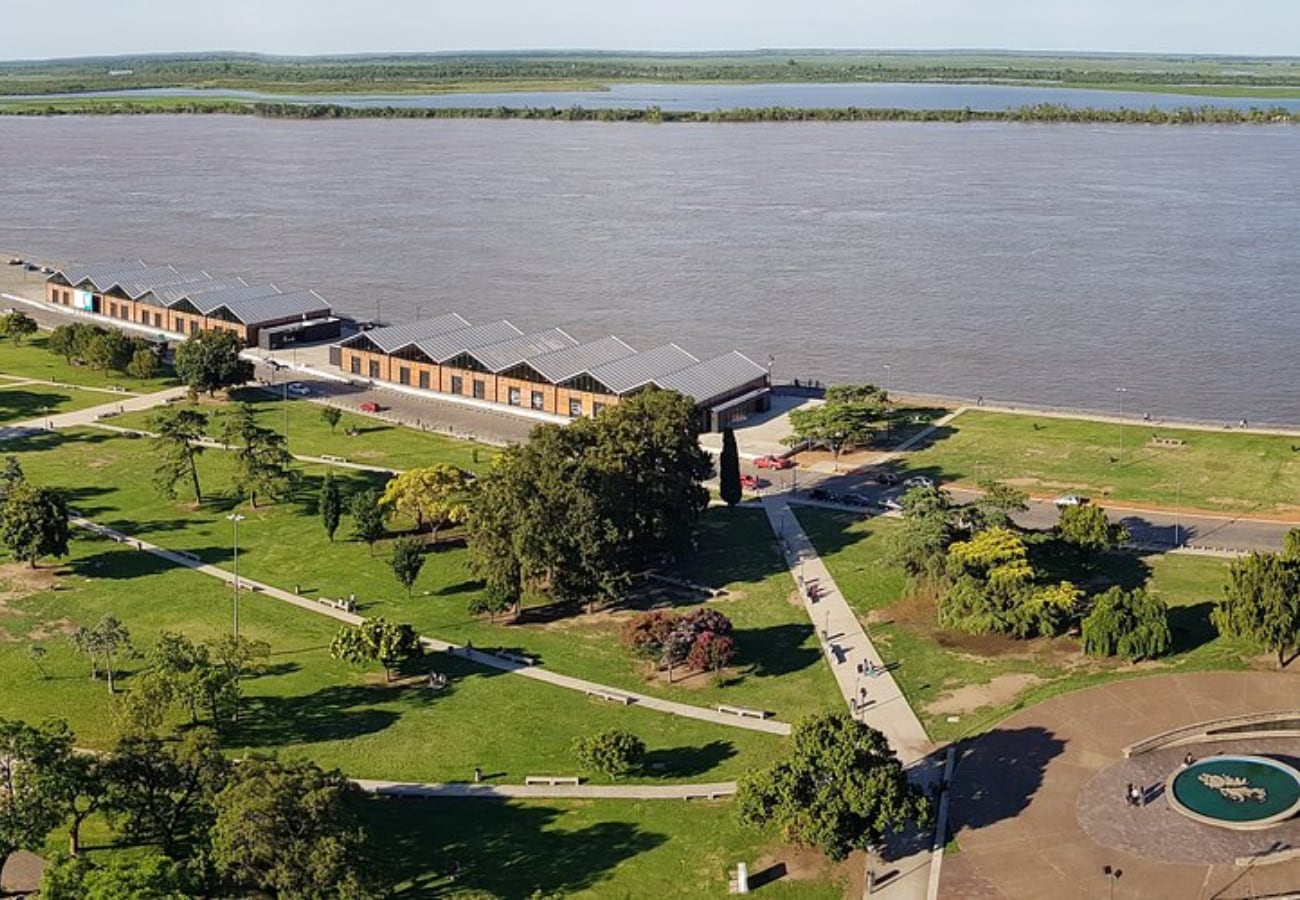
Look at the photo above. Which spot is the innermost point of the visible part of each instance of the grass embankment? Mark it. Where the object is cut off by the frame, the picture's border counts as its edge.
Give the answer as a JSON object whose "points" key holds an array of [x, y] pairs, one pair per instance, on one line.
{"points": [[980, 680], [33, 359], [21, 401], [109, 479], [1218, 471]]}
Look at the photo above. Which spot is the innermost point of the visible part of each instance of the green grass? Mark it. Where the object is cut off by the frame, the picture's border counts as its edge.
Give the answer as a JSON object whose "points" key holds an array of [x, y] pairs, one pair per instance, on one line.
{"points": [[19, 402], [932, 663], [1214, 470], [312, 706], [108, 479], [32, 359], [590, 849], [376, 443]]}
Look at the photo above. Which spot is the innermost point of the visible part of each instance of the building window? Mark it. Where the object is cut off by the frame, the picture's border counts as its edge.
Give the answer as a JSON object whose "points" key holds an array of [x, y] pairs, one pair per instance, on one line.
{"points": [[597, 408], [355, 365], [539, 400], [424, 381], [516, 397], [480, 389], [194, 326], [403, 375], [374, 368], [112, 310], [457, 384], [157, 320], [575, 407]]}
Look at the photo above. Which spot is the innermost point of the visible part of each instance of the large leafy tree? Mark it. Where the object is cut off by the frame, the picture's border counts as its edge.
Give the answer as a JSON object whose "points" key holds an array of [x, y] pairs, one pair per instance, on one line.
{"points": [[77, 782], [376, 640], [407, 561], [920, 545], [431, 495], [613, 751], [367, 517], [17, 326], [292, 830], [263, 464], [29, 800], [841, 788], [1133, 625], [109, 349], [1261, 603], [729, 469], [848, 417], [209, 361], [140, 875], [995, 506], [1086, 527], [34, 522], [179, 439]]}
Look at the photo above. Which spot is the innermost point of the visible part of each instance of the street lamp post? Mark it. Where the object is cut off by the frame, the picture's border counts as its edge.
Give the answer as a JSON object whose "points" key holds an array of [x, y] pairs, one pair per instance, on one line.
{"points": [[286, 413], [1120, 392], [235, 519], [1178, 516]]}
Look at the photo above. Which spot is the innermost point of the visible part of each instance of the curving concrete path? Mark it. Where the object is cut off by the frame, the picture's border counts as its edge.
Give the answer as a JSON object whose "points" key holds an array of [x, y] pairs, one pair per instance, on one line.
{"points": [[483, 791]]}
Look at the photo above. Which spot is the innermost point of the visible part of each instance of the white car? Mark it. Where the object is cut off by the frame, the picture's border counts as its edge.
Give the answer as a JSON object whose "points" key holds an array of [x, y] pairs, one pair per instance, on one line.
{"points": [[1070, 500], [918, 481], [298, 389]]}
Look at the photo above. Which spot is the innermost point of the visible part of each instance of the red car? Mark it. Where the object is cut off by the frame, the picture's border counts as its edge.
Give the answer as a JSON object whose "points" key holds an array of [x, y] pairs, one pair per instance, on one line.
{"points": [[774, 462], [370, 407], [749, 481]]}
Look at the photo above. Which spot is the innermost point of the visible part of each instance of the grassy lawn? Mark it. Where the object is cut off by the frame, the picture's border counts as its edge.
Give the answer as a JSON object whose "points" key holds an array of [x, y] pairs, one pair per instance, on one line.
{"points": [[978, 680], [310, 705], [33, 360], [19, 401], [1222, 471], [108, 478], [376, 443], [584, 849]]}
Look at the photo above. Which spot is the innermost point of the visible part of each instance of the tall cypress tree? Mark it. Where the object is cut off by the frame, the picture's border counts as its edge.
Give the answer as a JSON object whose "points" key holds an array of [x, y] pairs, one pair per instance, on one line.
{"points": [[729, 469]]}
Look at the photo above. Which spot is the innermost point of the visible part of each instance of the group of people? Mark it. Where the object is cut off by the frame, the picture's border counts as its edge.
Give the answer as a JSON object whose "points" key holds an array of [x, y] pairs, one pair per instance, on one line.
{"points": [[1134, 795]]}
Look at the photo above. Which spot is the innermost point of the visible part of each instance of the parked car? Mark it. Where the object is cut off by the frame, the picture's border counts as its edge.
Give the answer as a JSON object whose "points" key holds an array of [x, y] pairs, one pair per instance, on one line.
{"points": [[298, 389], [918, 481], [885, 478], [370, 406], [774, 462], [856, 499], [891, 503], [819, 494], [749, 481], [1070, 500]]}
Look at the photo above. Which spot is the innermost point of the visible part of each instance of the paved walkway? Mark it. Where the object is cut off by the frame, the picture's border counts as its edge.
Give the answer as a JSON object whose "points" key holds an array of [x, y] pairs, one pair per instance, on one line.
{"points": [[484, 791], [490, 660], [90, 415]]}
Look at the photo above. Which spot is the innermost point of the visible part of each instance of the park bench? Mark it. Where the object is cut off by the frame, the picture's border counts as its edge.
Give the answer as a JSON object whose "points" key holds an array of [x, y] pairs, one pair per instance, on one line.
{"points": [[330, 458], [613, 696], [1168, 442], [709, 795], [552, 780], [342, 603], [517, 658], [744, 711]]}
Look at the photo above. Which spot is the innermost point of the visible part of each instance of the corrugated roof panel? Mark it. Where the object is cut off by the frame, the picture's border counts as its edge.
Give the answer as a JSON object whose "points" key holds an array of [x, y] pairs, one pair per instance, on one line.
{"points": [[712, 377], [622, 375], [392, 338], [100, 275], [166, 295], [443, 347], [136, 284], [496, 357], [564, 364], [207, 301], [255, 310]]}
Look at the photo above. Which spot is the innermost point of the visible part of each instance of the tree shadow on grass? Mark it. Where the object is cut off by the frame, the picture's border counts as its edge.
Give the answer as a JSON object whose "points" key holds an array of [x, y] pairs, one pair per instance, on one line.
{"points": [[120, 565], [1191, 627], [776, 650], [17, 404], [331, 714], [686, 762], [468, 586], [504, 849], [998, 774]]}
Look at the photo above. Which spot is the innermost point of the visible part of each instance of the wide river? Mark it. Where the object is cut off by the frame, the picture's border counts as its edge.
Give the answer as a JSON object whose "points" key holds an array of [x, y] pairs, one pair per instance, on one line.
{"points": [[1027, 263]]}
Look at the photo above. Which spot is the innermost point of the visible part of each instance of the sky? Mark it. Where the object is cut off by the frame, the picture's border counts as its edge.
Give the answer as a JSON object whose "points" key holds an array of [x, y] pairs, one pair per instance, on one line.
{"points": [[34, 29]]}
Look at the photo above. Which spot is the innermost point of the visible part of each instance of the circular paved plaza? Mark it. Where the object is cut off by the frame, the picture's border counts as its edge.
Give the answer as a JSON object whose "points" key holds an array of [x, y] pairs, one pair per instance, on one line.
{"points": [[1038, 803]]}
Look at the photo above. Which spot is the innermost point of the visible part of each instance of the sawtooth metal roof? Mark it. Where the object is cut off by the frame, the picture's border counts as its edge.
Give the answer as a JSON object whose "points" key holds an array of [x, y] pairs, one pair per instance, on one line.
{"points": [[565, 364], [442, 347], [208, 301], [712, 377], [136, 284], [512, 352], [166, 295], [100, 275], [392, 338], [623, 375], [277, 306]]}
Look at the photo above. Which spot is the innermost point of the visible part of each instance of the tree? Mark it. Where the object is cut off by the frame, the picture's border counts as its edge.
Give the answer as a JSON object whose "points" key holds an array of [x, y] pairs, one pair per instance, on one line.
{"points": [[144, 364], [331, 415], [711, 652], [28, 805], [841, 788], [109, 349], [432, 495], [34, 522], [1290, 545], [490, 601], [11, 472], [178, 443], [263, 464], [367, 517], [64, 340], [995, 507], [330, 503], [1086, 527], [849, 416], [407, 561], [162, 789], [292, 830], [376, 640], [17, 326], [729, 469], [997, 555], [1261, 603], [77, 782], [1133, 625], [235, 659], [613, 751], [209, 361], [36, 653], [103, 644], [145, 875], [920, 545]]}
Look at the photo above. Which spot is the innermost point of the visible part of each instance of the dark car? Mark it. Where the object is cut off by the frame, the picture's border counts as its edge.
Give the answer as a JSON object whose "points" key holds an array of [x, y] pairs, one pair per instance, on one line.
{"points": [[856, 499], [819, 494]]}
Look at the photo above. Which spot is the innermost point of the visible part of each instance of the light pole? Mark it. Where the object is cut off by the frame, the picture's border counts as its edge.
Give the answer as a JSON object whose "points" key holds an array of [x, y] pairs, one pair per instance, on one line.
{"points": [[1178, 503], [235, 519], [889, 420], [1112, 876], [770, 359], [1120, 392], [286, 414]]}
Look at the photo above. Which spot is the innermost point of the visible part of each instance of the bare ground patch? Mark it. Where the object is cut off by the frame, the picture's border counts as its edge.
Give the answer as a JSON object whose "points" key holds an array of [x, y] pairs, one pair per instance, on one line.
{"points": [[18, 580], [53, 628], [1001, 690], [785, 862]]}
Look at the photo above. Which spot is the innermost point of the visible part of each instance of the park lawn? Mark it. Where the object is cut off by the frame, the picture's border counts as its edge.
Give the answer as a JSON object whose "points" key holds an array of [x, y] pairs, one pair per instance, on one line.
{"points": [[310, 705], [1213, 470], [582, 849], [937, 668], [19, 402], [376, 442], [108, 479], [33, 359]]}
